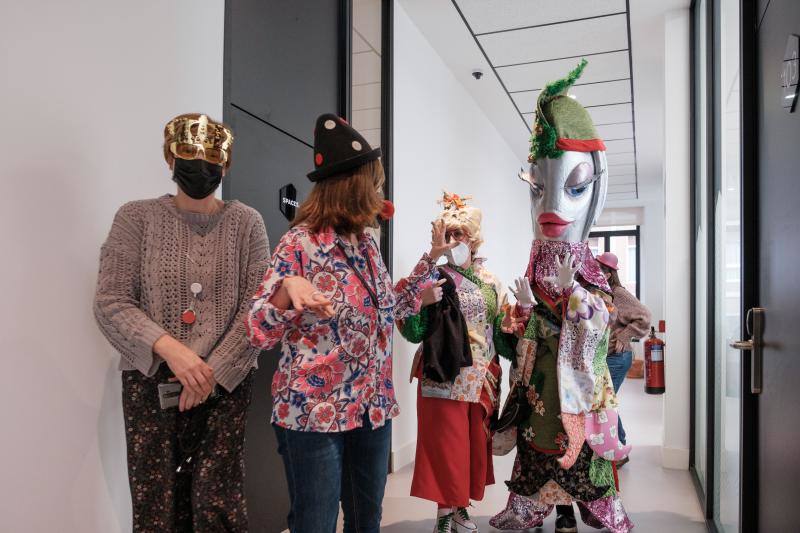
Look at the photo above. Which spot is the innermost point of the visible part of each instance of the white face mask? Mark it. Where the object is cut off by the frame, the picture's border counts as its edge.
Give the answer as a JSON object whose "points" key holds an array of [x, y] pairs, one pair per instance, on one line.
{"points": [[459, 255]]}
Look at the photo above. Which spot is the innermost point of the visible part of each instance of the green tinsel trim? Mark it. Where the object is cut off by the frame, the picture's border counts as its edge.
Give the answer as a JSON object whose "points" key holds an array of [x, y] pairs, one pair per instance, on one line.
{"points": [[504, 344], [555, 88], [544, 136], [415, 327], [601, 474]]}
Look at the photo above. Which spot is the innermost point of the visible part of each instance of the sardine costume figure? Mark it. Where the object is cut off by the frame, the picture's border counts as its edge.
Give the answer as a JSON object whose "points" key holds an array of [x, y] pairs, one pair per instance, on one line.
{"points": [[561, 413]]}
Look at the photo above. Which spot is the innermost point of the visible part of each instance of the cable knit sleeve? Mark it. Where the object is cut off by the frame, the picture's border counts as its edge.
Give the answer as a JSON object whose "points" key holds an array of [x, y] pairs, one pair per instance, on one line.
{"points": [[265, 323], [633, 318], [233, 357], [116, 301]]}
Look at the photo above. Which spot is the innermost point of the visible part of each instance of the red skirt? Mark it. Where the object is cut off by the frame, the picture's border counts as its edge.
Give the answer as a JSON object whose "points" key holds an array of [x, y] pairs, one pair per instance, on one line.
{"points": [[454, 452]]}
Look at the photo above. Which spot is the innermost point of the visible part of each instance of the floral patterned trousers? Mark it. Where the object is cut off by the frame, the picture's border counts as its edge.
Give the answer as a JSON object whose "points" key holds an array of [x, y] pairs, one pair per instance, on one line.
{"points": [[207, 496]]}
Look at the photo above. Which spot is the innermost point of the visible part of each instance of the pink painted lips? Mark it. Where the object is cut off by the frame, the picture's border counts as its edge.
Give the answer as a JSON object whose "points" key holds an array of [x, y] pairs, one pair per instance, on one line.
{"points": [[552, 225]]}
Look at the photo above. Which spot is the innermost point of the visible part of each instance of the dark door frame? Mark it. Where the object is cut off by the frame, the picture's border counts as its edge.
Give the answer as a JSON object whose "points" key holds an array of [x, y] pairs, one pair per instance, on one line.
{"points": [[748, 496]]}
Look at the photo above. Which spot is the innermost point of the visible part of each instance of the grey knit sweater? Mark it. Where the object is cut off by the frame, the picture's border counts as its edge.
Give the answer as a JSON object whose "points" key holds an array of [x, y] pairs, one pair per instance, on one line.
{"points": [[153, 254]]}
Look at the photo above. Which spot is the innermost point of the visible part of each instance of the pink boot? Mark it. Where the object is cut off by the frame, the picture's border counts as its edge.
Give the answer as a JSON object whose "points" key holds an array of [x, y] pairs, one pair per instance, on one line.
{"points": [[606, 512], [520, 513]]}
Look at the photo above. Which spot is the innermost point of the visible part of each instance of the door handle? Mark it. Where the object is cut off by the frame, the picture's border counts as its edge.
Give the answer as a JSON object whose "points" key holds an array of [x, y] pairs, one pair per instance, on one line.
{"points": [[755, 328]]}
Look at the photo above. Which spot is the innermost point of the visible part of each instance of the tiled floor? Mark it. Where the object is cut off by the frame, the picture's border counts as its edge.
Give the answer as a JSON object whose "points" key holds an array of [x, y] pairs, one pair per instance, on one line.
{"points": [[658, 500]]}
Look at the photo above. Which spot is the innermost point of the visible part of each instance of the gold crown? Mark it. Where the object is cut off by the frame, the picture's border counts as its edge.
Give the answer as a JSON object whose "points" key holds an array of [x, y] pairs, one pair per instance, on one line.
{"points": [[198, 137]]}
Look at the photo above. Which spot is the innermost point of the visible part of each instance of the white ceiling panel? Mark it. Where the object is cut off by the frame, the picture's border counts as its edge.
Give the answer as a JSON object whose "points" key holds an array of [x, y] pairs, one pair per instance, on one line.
{"points": [[373, 137], [619, 188], [556, 41], [616, 131], [621, 170], [621, 159], [616, 147], [611, 114], [367, 21], [366, 68], [366, 96], [601, 67], [493, 15], [359, 44], [366, 119], [612, 92]]}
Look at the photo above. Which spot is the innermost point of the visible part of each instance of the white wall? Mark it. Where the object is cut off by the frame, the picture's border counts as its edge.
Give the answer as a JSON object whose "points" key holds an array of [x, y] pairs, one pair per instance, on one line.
{"points": [[442, 139], [677, 241], [86, 89]]}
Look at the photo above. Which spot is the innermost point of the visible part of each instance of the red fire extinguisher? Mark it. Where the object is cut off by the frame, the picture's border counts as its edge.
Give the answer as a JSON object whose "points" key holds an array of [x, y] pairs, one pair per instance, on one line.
{"points": [[654, 364]]}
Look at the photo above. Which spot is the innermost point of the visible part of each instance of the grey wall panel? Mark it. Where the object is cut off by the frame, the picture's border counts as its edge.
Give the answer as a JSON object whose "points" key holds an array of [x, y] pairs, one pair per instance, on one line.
{"points": [[283, 61], [264, 160]]}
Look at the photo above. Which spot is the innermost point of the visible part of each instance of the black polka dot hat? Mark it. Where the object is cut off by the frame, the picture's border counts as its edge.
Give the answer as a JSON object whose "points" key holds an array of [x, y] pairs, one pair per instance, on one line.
{"points": [[338, 148]]}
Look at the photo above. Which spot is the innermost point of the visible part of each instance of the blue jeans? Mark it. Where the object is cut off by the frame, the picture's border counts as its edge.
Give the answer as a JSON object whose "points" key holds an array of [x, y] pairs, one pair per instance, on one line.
{"points": [[324, 468], [618, 365]]}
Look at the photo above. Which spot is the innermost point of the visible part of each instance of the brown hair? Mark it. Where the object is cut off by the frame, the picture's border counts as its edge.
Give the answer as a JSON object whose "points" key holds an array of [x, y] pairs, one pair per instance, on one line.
{"points": [[614, 279], [348, 203]]}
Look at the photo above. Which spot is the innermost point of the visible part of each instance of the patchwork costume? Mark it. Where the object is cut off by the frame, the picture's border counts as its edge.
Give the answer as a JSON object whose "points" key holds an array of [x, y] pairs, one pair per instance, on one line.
{"points": [[456, 403], [566, 432]]}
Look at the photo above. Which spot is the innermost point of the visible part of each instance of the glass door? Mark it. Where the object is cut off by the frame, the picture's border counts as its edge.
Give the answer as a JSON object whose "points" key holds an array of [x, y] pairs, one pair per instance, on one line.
{"points": [[727, 268]]}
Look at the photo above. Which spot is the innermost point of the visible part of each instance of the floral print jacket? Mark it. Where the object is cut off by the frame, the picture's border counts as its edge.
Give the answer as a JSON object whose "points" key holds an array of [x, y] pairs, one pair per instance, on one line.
{"points": [[333, 370]]}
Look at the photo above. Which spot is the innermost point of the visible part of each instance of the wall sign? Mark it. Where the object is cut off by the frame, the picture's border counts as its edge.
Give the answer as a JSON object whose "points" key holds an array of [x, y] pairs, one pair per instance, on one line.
{"points": [[288, 201], [790, 73]]}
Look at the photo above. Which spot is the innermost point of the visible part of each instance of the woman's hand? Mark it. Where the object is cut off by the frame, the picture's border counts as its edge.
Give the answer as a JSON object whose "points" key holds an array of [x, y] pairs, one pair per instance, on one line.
{"points": [[193, 373], [522, 292], [439, 244], [565, 272], [303, 295], [189, 400], [432, 294]]}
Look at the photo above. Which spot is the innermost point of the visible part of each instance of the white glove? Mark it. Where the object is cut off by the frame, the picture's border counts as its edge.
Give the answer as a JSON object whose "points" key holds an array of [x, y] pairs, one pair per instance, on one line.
{"points": [[522, 292], [565, 275]]}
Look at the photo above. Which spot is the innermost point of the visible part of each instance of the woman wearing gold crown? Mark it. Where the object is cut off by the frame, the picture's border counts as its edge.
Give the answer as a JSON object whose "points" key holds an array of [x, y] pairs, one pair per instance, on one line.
{"points": [[176, 274], [562, 411], [458, 371]]}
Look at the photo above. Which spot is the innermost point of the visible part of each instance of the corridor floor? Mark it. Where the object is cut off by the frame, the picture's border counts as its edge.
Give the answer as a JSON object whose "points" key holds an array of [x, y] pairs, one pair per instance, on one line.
{"points": [[658, 500]]}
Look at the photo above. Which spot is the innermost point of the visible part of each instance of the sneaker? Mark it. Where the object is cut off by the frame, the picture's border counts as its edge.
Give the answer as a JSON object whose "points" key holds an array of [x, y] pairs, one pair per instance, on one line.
{"points": [[566, 524], [462, 523], [444, 521]]}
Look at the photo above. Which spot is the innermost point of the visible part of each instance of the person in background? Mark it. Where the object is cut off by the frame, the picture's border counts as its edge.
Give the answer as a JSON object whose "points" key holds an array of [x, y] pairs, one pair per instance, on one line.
{"points": [[629, 319], [458, 369], [327, 297], [176, 274]]}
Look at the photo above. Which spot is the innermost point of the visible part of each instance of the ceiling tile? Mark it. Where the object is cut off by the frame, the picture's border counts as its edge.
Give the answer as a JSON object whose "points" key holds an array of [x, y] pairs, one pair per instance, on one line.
{"points": [[366, 68], [366, 96], [621, 159], [616, 147], [601, 67], [366, 119], [557, 41], [611, 114], [612, 92], [359, 44], [367, 21], [493, 15], [616, 131]]}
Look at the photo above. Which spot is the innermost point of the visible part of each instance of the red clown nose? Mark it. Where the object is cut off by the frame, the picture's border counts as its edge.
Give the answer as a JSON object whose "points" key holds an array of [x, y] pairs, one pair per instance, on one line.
{"points": [[388, 210]]}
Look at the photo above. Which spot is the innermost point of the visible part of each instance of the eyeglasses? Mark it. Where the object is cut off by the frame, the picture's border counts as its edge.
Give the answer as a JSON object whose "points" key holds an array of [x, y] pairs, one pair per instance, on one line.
{"points": [[577, 183]]}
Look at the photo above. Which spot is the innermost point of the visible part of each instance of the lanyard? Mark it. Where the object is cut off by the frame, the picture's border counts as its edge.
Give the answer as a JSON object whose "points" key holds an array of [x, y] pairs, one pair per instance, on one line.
{"points": [[373, 295]]}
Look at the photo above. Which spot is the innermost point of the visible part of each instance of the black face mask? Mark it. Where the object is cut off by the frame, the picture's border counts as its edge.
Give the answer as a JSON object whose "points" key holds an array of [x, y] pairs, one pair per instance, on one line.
{"points": [[196, 177]]}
